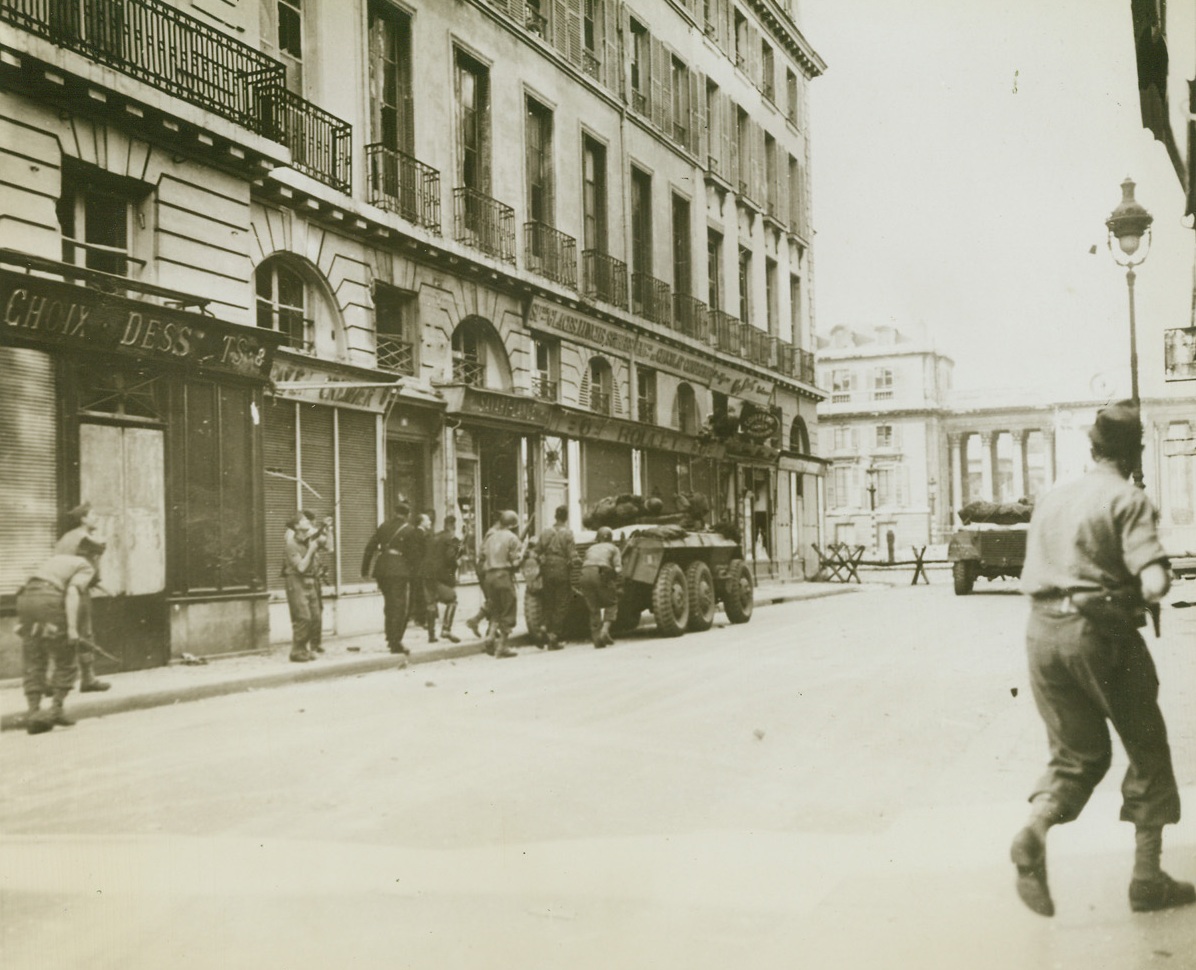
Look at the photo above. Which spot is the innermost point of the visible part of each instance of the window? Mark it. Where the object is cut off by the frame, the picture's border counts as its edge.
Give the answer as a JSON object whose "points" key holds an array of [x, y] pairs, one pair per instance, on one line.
{"points": [[714, 132], [797, 331], [770, 293], [687, 410], [842, 384], [773, 186], [882, 384], [535, 19], [842, 484], [743, 144], [394, 316], [799, 437], [682, 271], [769, 71], [600, 380], [473, 135], [593, 195], [645, 395], [791, 96], [741, 40], [641, 222], [539, 163], [714, 269], [544, 380], [745, 284], [679, 109], [884, 436], [640, 54], [845, 439], [390, 78], [281, 27], [95, 214], [590, 24], [282, 304], [796, 220], [469, 355]]}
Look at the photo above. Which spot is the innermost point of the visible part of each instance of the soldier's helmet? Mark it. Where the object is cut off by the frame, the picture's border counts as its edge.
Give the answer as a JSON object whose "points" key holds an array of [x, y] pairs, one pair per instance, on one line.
{"points": [[604, 534], [508, 520]]}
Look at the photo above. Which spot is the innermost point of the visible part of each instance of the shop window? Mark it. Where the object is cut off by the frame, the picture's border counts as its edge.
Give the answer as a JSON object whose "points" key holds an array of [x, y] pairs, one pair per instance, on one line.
{"points": [[687, 419], [97, 213], [645, 396], [282, 304], [395, 320]]}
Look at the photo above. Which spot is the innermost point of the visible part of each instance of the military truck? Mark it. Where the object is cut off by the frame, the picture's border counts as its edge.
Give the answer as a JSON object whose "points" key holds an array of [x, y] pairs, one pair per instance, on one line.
{"points": [[991, 543], [679, 575]]}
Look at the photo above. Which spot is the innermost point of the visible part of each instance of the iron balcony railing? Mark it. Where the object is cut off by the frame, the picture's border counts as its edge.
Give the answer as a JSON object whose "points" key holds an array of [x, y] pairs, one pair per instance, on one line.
{"points": [[757, 346], [784, 357], [536, 23], [550, 253], [599, 401], [690, 316], [645, 410], [484, 223], [590, 64], [724, 332], [402, 184], [543, 386], [154, 42], [469, 370], [650, 298], [321, 144], [604, 278], [805, 366], [395, 355], [639, 103]]}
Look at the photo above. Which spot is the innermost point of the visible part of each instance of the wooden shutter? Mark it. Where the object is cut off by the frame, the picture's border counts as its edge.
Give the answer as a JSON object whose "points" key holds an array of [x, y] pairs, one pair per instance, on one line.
{"points": [[731, 113], [612, 47], [484, 139], [658, 77], [760, 192], [726, 158], [699, 137], [573, 28], [28, 463]]}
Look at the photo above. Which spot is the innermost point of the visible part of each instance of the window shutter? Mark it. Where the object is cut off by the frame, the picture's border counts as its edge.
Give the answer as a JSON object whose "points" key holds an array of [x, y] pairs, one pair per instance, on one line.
{"points": [[574, 27], [753, 54], [699, 137], [662, 86], [377, 43], [612, 47], [756, 134], [583, 391], [728, 28], [727, 160], [484, 148], [736, 166]]}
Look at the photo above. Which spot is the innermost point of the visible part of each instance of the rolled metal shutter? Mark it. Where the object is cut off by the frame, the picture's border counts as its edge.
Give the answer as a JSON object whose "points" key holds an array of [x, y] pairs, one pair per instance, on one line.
{"points": [[358, 492], [281, 487], [317, 464], [28, 463]]}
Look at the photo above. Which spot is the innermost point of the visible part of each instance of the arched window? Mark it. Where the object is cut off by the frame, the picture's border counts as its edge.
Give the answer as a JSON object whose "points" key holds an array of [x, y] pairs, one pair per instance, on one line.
{"points": [[282, 304], [799, 437], [600, 386], [688, 419], [479, 358]]}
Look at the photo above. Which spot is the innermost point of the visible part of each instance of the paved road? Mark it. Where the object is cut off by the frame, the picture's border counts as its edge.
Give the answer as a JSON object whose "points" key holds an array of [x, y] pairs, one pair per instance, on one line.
{"points": [[833, 785]]}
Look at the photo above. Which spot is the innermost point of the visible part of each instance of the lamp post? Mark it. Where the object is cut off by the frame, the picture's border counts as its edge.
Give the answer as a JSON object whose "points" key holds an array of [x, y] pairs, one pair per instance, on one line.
{"points": [[1128, 223], [931, 486], [873, 471]]}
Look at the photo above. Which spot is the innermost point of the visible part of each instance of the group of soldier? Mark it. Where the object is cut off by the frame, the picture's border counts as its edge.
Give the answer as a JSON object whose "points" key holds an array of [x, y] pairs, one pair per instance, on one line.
{"points": [[54, 622]]}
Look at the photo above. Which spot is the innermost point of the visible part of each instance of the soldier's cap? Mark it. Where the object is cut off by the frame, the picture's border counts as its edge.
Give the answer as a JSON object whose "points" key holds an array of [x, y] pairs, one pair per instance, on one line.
{"points": [[79, 512], [90, 546], [1118, 429]]}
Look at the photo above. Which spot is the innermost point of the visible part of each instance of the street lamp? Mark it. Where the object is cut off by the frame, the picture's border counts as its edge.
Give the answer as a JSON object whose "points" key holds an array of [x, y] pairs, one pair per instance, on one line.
{"points": [[931, 486], [873, 472], [1128, 223]]}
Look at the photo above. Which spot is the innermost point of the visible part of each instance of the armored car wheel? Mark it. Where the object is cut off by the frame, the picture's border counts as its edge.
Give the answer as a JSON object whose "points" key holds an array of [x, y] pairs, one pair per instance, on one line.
{"points": [[964, 576], [702, 599], [739, 594], [670, 600], [533, 611]]}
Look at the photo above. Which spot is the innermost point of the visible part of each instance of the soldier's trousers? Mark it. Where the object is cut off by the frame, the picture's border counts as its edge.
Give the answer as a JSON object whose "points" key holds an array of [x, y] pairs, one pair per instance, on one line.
{"points": [[1085, 676], [498, 586], [49, 659], [307, 613], [395, 593], [555, 595]]}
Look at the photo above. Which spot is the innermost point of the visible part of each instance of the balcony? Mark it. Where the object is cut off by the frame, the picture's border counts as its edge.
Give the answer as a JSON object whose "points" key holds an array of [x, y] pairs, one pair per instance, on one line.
{"points": [[690, 317], [395, 355], [645, 410], [590, 64], [725, 333], [536, 23], [639, 103], [840, 397], [757, 346], [650, 298], [599, 401], [468, 369], [155, 43], [321, 145], [882, 394], [604, 278], [550, 253], [484, 223], [543, 386], [402, 184], [805, 366]]}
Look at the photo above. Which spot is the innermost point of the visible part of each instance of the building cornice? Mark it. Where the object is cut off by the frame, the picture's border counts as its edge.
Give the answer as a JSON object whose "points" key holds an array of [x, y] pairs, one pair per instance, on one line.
{"points": [[787, 32]]}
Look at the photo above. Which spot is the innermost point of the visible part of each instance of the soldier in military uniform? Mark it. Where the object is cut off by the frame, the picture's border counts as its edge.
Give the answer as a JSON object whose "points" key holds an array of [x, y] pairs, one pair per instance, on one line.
{"points": [[393, 575], [502, 554], [303, 572], [1093, 564], [48, 622], [440, 577], [82, 522]]}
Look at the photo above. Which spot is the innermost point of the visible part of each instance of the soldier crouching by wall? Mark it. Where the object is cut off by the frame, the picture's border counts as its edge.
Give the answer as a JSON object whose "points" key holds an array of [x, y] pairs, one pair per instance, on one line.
{"points": [[48, 616]]}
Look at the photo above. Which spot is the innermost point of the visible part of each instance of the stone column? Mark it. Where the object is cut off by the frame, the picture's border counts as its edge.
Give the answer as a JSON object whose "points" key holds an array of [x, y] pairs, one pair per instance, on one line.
{"points": [[956, 472], [987, 488], [1019, 464]]}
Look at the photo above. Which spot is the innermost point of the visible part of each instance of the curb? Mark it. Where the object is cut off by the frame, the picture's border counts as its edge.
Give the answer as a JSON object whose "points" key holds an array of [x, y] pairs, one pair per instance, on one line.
{"points": [[322, 670]]}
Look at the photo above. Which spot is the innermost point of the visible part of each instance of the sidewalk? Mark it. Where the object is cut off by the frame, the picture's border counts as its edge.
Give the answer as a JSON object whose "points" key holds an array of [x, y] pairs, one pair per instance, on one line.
{"points": [[345, 657]]}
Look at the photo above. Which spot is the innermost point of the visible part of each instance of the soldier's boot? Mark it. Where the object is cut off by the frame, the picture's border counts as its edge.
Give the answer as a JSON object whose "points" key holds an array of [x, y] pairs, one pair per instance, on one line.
{"points": [[1028, 854], [501, 650], [36, 722], [446, 628], [554, 642], [604, 634], [57, 714], [89, 683], [430, 625], [473, 624], [1152, 889]]}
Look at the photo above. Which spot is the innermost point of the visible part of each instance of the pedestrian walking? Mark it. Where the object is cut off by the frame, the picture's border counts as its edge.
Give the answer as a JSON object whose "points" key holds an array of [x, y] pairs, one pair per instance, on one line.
{"points": [[440, 583], [1093, 566], [83, 523], [48, 623], [413, 545], [502, 554], [558, 554], [392, 574], [601, 572], [302, 571]]}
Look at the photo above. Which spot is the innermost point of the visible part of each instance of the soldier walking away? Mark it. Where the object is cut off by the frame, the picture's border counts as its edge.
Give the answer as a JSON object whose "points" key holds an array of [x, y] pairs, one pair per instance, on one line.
{"points": [[414, 546], [601, 570], [302, 571], [440, 584], [1093, 567], [392, 574], [48, 622], [557, 553], [502, 553], [82, 522]]}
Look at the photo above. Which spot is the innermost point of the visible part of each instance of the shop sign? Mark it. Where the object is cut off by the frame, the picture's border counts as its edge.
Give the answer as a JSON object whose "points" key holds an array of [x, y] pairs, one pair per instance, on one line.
{"points": [[604, 336], [758, 425], [343, 393], [47, 313], [596, 427], [473, 401]]}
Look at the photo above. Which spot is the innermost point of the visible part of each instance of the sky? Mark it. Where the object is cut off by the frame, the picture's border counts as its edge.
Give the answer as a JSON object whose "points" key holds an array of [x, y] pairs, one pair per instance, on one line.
{"points": [[965, 156]]}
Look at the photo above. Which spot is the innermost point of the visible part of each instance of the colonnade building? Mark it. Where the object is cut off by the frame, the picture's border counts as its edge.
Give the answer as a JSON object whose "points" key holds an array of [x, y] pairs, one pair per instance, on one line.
{"points": [[262, 255]]}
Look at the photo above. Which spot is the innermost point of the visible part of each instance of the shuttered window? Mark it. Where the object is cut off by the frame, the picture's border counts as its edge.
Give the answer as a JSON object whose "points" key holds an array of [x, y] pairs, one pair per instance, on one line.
{"points": [[317, 464], [28, 462], [280, 486], [358, 493]]}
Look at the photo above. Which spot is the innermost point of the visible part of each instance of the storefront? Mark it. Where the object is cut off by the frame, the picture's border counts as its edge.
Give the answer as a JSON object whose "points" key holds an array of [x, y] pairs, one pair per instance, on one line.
{"points": [[153, 415]]}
